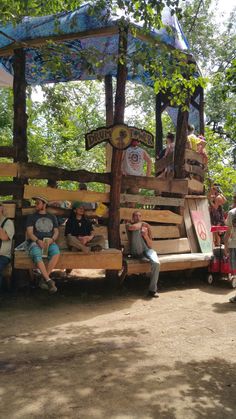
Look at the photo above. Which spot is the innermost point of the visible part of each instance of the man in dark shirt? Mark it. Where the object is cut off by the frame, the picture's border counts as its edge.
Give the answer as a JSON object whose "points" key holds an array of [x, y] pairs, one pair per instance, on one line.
{"points": [[42, 232], [79, 231]]}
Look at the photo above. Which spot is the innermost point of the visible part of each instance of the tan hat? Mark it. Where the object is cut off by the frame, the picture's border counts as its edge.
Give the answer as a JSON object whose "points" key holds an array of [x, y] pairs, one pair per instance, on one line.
{"points": [[41, 198]]}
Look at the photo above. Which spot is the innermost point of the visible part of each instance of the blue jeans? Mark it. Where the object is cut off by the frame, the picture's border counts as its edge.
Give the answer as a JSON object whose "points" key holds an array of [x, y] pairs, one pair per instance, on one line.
{"points": [[3, 263]]}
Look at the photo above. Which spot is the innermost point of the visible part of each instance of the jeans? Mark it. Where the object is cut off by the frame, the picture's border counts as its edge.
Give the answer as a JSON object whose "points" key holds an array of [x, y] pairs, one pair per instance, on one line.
{"points": [[3, 263], [155, 268]]}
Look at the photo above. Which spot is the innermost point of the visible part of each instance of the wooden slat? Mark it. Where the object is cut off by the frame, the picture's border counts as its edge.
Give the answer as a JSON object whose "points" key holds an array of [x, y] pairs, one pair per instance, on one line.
{"points": [[160, 185], [194, 169], [194, 186], [53, 194], [152, 200], [193, 155], [158, 216], [164, 247], [158, 232], [170, 263], [8, 169], [106, 259], [193, 242]]}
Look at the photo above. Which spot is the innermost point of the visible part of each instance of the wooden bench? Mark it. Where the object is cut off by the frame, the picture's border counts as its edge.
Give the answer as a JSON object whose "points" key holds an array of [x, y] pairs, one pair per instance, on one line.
{"points": [[168, 263], [110, 259]]}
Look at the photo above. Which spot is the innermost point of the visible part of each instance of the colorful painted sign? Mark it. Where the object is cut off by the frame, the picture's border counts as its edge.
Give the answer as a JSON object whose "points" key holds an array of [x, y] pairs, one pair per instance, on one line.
{"points": [[119, 136], [203, 235]]}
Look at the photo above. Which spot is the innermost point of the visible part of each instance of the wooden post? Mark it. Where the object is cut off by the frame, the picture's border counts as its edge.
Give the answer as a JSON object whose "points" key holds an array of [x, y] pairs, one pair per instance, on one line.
{"points": [[181, 139], [109, 120], [159, 129], [19, 134], [116, 174], [201, 111], [20, 116]]}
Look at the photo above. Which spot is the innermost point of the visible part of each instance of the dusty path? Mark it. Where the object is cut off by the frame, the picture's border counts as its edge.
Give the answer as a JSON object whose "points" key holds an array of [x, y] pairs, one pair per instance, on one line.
{"points": [[89, 354]]}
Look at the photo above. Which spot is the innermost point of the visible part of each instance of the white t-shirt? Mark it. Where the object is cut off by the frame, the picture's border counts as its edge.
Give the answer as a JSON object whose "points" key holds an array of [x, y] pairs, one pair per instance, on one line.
{"points": [[133, 161], [5, 249], [231, 222]]}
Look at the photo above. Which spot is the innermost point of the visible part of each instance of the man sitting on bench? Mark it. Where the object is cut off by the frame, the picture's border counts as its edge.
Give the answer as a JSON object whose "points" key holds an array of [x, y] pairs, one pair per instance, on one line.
{"points": [[6, 235], [79, 231], [140, 238], [42, 232]]}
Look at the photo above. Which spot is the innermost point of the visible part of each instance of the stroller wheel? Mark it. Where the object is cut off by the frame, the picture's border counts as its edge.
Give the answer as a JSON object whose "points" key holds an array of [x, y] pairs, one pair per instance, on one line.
{"points": [[233, 281], [210, 279]]}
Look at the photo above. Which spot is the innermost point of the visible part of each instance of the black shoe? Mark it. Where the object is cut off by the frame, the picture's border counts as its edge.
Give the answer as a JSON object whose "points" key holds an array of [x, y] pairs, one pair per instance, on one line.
{"points": [[153, 294]]}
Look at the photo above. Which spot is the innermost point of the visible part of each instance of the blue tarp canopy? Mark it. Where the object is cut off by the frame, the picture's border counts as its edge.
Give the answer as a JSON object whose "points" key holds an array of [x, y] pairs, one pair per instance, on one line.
{"points": [[78, 35]]}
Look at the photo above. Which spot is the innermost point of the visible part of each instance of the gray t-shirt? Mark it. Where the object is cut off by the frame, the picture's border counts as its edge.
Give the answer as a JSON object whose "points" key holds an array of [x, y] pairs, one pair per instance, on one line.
{"points": [[137, 244], [5, 249], [43, 224]]}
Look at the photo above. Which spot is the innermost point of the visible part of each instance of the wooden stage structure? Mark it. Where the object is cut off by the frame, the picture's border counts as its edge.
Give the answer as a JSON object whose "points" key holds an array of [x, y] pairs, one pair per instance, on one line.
{"points": [[169, 205]]}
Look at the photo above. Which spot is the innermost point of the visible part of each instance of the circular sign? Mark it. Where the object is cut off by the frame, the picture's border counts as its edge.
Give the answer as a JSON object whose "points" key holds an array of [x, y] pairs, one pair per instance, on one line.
{"points": [[120, 137]]}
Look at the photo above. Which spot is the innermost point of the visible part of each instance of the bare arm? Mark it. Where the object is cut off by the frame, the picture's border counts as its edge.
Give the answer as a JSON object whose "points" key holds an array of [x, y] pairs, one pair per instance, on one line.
{"points": [[148, 160], [3, 234], [147, 234]]}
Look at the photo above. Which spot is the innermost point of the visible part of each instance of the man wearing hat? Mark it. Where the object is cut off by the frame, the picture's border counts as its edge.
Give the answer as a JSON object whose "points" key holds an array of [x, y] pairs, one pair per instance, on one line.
{"points": [[41, 226], [79, 231], [7, 232]]}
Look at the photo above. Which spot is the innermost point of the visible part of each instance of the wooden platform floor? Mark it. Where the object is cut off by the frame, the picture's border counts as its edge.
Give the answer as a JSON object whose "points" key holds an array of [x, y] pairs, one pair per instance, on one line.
{"points": [[106, 259], [178, 262]]}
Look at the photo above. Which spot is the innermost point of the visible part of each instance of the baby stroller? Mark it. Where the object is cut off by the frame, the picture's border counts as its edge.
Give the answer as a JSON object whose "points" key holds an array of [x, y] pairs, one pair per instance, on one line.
{"points": [[219, 267]]}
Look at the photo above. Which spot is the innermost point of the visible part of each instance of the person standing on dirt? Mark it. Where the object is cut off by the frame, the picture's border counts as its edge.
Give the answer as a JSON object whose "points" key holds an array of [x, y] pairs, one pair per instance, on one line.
{"points": [[7, 232], [140, 238], [41, 226], [230, 241]]}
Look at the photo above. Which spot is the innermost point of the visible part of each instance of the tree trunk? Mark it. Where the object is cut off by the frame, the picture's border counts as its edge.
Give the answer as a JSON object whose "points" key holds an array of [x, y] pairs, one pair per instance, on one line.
{"points": [[109, 120], [201, 112], [116, 174], [159, 130], [20, 116], [180, 146]]}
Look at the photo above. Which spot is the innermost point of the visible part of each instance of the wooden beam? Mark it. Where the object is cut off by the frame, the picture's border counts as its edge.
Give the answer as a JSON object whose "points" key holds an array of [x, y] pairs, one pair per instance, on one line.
{"points": [[158, 232], [41, 41], [8, 169], [109, 116], [7, 151], [106, 259], [156, 216], [193, 155], [152, 200], [9, 188], [194, 186], [38, 171], [179, 186], [116, 173], [63, 195], [194, 169]]}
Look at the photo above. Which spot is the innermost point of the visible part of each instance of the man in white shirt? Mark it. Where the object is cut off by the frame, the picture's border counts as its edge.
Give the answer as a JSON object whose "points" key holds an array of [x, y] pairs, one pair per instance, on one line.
{"points": [[7, 232], [133, 161]]}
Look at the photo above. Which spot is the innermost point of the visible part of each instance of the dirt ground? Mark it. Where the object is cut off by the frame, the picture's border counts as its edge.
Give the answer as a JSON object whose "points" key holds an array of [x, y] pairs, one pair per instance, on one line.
{"points": [[92, 353]]}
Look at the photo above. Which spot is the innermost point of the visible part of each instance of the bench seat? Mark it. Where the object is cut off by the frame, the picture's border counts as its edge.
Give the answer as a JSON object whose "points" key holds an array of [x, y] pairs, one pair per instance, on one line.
{"points": [[169, 263], [110, 259]]}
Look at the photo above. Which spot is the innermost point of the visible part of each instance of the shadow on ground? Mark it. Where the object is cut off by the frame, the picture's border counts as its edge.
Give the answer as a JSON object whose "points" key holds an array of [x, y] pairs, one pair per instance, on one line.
{"points": [[108, 375]]}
